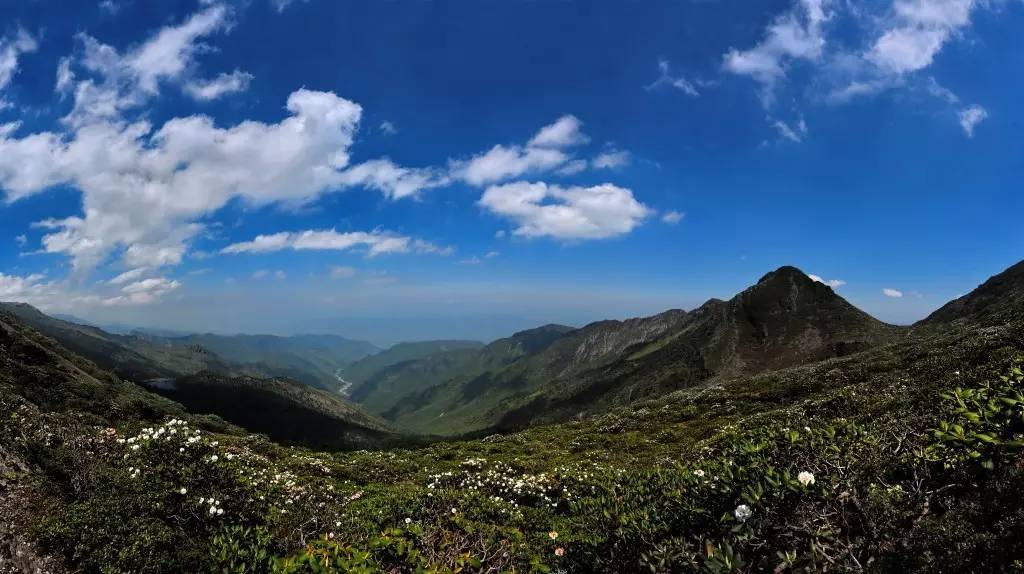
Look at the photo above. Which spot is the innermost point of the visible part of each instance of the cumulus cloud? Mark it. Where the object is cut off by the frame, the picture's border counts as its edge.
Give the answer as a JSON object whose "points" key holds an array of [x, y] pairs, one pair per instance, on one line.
{"points": [[17, 288], [387, 128], [970, 117], [142, 189], [795, 35], [833, 283], [539, 209], [918, 32], [375, 243], [394, 181], [546, 151], [114, 82], [222, 85], [894, 293], [34, 289]]}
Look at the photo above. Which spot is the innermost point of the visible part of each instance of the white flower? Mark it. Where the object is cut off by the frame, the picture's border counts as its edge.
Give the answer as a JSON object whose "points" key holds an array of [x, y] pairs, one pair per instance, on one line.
{"points": [[183, 490], [213, 510], [805, 478], [220, 511], [743, 512], [699, 473], [455, 511], [408, 520], [213, 458]]}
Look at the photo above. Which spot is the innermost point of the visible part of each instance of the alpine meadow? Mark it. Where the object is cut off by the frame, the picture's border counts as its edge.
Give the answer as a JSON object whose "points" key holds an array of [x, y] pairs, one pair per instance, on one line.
{"points": [[557, 286]]}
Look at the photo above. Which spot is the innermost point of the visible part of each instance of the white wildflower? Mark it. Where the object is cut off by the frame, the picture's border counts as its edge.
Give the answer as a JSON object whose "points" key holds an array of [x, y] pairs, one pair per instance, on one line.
{"points": [[743, 512], [805, 478]]}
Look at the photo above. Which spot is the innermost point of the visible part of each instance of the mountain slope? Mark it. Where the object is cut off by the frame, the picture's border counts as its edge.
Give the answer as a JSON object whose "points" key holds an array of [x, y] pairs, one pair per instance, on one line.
{"points": [[786, 319], [136, 358], [366, 368], [463, 401], [1002, 293], [284, 410]]}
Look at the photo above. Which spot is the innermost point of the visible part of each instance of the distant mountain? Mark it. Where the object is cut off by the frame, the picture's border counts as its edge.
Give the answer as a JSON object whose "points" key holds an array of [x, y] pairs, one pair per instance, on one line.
{"points": [[1001, 294], [366, 368], [785, 319], [315, 360], [381, 392]]}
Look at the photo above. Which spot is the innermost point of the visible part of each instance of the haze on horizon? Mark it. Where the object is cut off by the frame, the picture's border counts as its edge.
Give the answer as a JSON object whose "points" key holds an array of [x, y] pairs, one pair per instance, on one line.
{"points": [[403, 171]]}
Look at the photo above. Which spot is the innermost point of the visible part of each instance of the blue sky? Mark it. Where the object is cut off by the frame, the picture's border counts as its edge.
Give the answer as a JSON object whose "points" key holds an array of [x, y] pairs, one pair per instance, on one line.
{"points": [[411, 169]]}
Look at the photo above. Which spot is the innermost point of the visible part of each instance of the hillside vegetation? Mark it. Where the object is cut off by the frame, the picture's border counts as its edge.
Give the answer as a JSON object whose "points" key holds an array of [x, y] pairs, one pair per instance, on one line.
{"points": [[903, 454]]}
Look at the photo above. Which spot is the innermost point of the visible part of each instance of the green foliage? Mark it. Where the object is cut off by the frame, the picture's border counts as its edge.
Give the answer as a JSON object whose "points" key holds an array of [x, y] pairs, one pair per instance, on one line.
{"points": [[987, 422]]}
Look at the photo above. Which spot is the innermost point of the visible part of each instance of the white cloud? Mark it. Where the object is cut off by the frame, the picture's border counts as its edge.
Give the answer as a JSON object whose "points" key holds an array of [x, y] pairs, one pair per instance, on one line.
{"points": [[143, 189], [665, 78], [570, 213], [280, 274], [21, 240], [921, 28], [282, 5], [794, 133], [15, 288], [544, 152], [833, 283], [795, 35], [53, 295], [673, 217], [474, 260], [120, 82], [388, 128], [143, 292], [375, 243], [565, 132], [222, 85], [342, 272], [612, 159], [970, 117], [11, 50], [393, 181], [129, 276], [894, 293], [492, 254]]}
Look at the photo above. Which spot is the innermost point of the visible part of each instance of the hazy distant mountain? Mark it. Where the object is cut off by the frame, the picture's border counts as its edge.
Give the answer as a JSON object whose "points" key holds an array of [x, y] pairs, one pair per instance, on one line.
{"points": [[364, 369], [311, 359]]}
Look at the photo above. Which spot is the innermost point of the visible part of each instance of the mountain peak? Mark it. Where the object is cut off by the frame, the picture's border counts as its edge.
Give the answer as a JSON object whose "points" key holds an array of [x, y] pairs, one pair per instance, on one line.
{"points": [[784, 273]]}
